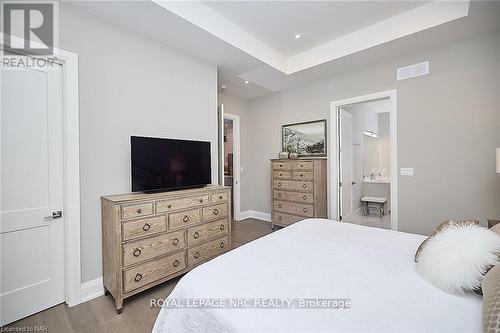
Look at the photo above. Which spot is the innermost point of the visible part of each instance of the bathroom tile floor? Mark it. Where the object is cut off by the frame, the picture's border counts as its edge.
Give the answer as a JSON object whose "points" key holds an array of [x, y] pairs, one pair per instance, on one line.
{"points": [[371, 220]]}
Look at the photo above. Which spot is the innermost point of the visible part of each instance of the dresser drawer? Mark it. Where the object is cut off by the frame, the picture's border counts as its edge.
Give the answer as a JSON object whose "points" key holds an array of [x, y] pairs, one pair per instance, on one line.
{"points": [[294, 208], [187, 217], [285, 219], [282, 174], [182, 203], [131, 211], [303, 165], [302, 175], [152, 271], [219, 197], [206, 231], [215, 212], [293, 185], [138, 251], [282, 165], [294, 196], [143, 227], [208, 250]]}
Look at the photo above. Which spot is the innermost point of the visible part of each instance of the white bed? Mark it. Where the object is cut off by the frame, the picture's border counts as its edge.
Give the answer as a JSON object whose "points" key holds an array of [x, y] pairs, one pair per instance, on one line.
{"points": [[321, 259]]}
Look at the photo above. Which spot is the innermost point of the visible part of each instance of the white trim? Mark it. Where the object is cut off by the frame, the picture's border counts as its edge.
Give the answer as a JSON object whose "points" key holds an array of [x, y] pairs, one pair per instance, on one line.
{"points": [[236, 165], [92, 289], [333, 169], [253, 214], [69, 62]]}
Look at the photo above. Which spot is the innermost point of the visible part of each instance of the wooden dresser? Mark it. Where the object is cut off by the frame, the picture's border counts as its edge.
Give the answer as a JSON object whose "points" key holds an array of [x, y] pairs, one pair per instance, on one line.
{"points": [[148, 239], [298, 190]]}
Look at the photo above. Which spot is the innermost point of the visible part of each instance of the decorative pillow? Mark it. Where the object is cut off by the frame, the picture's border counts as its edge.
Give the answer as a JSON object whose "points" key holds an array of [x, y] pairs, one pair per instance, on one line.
{"points": [[442, 227], [491, 300], [456, 258], [496, 228]]}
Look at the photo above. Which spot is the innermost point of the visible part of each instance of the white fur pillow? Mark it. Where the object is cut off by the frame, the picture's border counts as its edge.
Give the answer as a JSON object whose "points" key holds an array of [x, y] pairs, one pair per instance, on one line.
{"points": [[456, 258]]}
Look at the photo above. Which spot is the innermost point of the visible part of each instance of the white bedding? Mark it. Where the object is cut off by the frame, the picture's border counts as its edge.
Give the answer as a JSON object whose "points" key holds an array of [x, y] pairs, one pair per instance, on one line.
{"points": [[321, 259]]}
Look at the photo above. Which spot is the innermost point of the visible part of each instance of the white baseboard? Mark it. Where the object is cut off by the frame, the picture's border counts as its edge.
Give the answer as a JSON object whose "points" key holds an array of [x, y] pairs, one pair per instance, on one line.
{"points": [[92, 289], [255, 215]]}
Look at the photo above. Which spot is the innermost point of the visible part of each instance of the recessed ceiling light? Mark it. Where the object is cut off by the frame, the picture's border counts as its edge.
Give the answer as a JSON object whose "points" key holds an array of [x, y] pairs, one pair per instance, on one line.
{"points": [[297, 36], [246, 82]]}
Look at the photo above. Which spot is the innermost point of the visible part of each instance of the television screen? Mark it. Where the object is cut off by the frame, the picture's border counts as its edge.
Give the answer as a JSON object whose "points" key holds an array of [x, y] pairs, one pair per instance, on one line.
{"points": [[163, 164]]}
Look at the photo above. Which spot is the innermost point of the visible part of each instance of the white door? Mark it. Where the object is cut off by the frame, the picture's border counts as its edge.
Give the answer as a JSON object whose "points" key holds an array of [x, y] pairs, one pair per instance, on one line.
{"points": [[346, 163], [220, 127], [31, 182]]}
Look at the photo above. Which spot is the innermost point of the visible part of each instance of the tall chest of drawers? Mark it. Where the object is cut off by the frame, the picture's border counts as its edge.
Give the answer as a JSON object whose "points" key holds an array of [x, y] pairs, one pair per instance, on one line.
{"points": [[298, 190], [148, 239]]}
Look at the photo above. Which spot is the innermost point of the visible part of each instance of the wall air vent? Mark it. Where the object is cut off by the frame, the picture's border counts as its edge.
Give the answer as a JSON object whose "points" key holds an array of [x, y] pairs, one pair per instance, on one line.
{"points": [[413, 70]]}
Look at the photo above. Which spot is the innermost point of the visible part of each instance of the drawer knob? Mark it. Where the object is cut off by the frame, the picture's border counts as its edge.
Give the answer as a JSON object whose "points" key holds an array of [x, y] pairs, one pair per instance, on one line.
{"points": [[216, 211], [139, 211], [201, 200], [281, 165], [279, 184], [220, 197], [169, 206], [281, 174], [221, 245], [221, 227], [137, 252], [302, 165], [279, 195], [279, 206], [304, 186], [138, 277], [185, 218], [176, 263], [196, 255], [304, 210], [302, 175], [196, 235], [304, 197], [146, 227], [280, 218], [175, 241]]}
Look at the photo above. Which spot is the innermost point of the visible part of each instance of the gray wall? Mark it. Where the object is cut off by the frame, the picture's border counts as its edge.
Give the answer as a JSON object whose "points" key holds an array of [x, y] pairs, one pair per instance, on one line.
{"points": [[129, 85], [448, 128]]}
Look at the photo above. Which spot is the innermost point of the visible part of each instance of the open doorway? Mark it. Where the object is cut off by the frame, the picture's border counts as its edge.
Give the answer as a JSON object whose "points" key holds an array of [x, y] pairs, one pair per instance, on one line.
{"points": [[364, 170], [229, 157]]}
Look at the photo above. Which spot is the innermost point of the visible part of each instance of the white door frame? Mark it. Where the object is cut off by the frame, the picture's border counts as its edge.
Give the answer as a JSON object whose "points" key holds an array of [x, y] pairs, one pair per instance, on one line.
{"points": [[71, 129], [236, 164], [334, 154]]}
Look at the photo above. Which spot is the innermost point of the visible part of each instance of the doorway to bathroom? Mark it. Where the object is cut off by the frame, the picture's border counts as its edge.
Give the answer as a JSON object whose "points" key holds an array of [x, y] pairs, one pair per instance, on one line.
{"points": [[365, 167]]}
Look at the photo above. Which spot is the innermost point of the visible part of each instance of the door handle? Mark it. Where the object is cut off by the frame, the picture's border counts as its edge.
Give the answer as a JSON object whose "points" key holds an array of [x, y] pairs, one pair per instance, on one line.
{"points": [[55, 215], [353, 183]]}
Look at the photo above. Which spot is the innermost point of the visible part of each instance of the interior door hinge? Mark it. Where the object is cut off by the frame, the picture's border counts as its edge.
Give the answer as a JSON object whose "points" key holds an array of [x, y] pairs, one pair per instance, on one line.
{"points": [[340, 218], [340, 184]]}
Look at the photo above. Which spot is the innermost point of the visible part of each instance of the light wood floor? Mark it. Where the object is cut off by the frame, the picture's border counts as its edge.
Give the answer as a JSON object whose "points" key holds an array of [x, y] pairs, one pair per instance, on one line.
{"points": [[99, 314]]}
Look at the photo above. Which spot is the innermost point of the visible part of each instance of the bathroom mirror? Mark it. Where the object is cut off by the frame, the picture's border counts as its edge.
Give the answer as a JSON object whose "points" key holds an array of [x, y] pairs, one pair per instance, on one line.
{"points": [[370, 155]]}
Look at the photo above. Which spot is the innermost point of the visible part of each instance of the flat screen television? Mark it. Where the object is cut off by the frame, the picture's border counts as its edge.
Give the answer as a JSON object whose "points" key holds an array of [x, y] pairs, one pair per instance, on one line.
{"points": [[168, 164]]}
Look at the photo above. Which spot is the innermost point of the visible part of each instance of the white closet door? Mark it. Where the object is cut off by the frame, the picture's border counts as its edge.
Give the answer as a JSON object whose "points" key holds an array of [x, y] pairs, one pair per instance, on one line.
{"points": [[31, 182], [220, 128], [346, 163]]}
